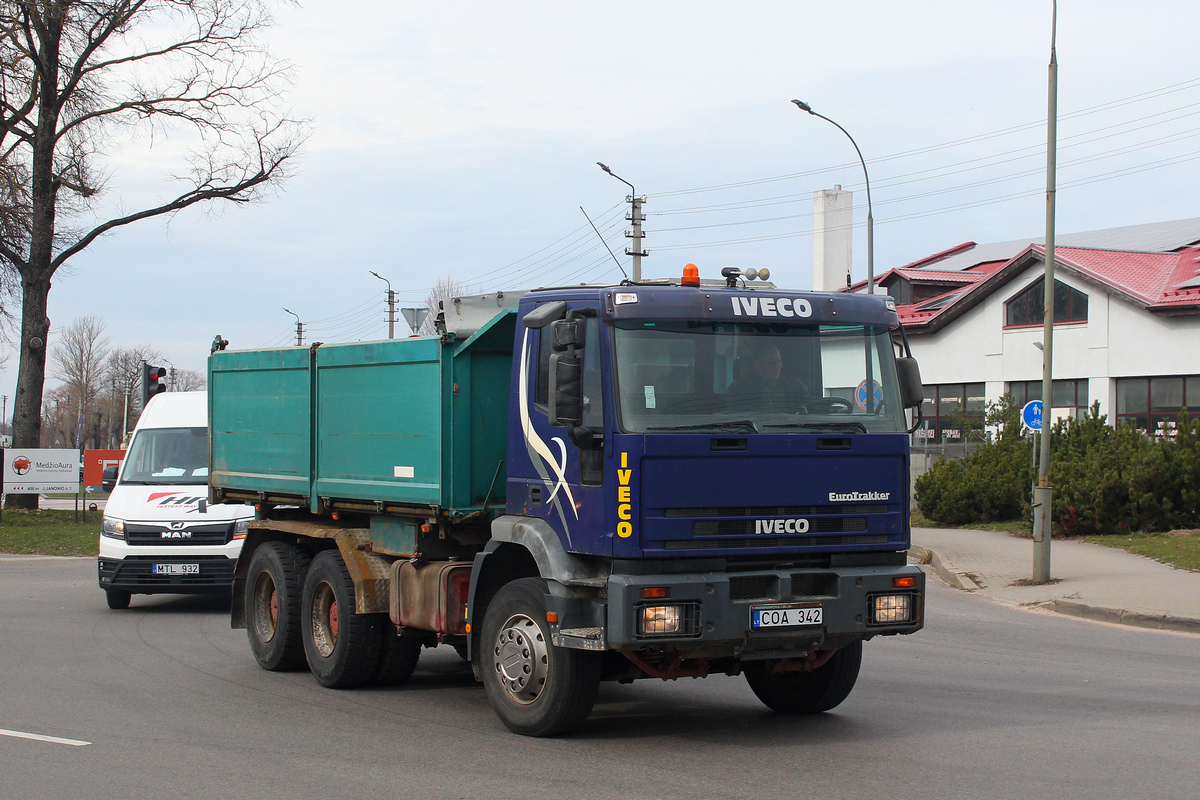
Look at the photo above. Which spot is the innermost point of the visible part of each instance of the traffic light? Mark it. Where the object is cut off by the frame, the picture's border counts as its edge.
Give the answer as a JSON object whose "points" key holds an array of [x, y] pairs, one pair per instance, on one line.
{"points": [[152, 382]]}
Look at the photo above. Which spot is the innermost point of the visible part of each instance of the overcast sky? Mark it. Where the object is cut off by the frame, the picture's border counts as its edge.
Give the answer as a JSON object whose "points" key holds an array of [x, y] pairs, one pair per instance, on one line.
{"points": [[461, 138]]}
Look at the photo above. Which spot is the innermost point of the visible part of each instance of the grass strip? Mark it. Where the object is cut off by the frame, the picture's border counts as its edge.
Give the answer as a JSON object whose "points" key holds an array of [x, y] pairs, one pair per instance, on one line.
{"points": [[49, 532]]}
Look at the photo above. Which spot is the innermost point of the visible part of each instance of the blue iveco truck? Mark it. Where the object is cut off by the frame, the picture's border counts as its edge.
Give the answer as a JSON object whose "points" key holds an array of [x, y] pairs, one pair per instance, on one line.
{"points": [[580, 484]]}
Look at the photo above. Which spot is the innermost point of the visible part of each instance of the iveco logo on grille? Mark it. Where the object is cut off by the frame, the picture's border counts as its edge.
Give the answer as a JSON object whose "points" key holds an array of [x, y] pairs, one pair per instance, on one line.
{"points": [[176, 534], [781, 526]]}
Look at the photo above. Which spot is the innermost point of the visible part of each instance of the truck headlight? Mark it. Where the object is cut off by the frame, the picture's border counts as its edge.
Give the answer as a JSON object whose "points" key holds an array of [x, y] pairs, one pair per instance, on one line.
{"points": [[677, 619], [891, 609], [112, 527]]}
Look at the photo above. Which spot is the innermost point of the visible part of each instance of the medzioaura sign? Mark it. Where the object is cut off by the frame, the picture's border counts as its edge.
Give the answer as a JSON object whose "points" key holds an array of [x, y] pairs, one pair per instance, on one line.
{"points": [[40, 470]]}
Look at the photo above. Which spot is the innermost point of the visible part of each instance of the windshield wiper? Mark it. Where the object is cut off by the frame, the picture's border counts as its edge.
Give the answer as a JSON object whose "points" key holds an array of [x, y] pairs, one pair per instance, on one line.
{"points": [[823, 426], [735, 424]]}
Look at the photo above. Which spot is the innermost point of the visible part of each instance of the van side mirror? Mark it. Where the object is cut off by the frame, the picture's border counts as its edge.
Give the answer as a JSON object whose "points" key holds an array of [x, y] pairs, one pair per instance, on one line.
{"points": [[912, 391], [108, 478]]}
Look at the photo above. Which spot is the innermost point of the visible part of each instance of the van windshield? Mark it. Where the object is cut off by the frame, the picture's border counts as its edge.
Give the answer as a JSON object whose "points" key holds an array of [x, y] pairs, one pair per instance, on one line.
{"points": [[167, 456], [755, 377]]}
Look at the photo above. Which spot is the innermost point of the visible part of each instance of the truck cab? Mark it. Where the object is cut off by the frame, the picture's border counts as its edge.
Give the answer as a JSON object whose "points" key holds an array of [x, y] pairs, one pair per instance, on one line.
{"points": [[159, 534]]}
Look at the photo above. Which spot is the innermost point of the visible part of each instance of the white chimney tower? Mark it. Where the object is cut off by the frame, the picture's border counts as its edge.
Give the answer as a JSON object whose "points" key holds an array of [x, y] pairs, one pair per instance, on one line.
{"points": [[832, 238]]}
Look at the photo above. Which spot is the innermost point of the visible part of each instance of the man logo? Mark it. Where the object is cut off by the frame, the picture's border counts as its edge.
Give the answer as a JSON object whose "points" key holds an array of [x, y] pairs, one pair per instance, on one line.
{"points": [[178, 526], [176, 534]]}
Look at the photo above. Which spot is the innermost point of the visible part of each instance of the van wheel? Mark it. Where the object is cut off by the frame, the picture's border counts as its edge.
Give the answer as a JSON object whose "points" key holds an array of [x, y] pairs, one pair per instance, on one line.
{"points": [[342, 647], [535, 688], [806, 692], [117, 598], [272, 600]]}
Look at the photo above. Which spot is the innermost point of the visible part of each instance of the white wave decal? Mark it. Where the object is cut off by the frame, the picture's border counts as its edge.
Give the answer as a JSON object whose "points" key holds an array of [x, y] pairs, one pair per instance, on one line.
{"points": [[535, 443]]}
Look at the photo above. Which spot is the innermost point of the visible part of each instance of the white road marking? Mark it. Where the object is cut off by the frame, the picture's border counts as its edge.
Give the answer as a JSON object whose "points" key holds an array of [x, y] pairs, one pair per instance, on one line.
{"points": [[37, 737]]}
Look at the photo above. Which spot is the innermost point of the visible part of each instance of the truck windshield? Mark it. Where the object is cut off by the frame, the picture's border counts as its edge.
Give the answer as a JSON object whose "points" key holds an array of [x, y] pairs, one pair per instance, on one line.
{"points": [[174, 456], [755, 377]]}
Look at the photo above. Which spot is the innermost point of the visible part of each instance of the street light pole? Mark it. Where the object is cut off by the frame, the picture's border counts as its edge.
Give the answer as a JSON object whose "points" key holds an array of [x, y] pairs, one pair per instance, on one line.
{"points": [[391, 305], [635, 216], [299, 328], [870, 216], [1042, 493]]}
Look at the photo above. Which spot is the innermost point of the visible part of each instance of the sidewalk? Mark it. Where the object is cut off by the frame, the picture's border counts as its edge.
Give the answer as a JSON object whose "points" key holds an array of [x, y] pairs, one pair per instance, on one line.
{"points": [[1092, 581]]}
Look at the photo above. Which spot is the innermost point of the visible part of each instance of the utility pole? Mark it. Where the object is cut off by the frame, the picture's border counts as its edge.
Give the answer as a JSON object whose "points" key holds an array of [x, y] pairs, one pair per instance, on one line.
{"points": [[391, 297], [1042, 518], [636, 217], [299, 328]]}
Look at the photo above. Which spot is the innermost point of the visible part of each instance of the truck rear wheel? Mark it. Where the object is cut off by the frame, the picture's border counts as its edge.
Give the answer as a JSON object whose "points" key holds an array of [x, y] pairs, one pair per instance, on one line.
{"points": [[806, 692], [117, 598], [273, 586], [342, 647], [398, 657], [535, 688]]}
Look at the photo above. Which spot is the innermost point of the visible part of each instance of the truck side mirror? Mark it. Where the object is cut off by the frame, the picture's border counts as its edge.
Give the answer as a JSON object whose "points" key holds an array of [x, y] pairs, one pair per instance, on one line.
{"points": [[544, 314], [108, 478], [566, 390], [567, 333], [912, 391]]}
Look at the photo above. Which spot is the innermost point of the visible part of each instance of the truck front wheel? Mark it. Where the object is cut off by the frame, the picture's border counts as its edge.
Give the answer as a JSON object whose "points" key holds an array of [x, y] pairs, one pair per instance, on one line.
{"points": [[342, 646], [272, 601], [806, 692], [535, 688]]}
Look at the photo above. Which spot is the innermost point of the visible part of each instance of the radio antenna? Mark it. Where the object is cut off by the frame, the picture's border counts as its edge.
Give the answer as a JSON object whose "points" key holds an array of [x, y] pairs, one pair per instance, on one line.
{"points": [[606, 247]]}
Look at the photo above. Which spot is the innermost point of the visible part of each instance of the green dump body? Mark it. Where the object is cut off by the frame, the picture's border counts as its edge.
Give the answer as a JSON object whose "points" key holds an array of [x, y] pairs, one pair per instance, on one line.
{"points": [[418, 422]]}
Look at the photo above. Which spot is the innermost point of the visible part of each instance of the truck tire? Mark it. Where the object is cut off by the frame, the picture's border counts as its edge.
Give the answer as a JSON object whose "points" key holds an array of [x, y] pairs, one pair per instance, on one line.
{"points": [[342, 647], [274, 581], [398, 657], [117, 598], [806, 692], [535, 688]]}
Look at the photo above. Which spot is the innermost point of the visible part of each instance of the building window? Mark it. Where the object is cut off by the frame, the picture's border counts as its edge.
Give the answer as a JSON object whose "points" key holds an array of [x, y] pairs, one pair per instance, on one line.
{"points": [[1028, 307], [951, 411], [1069, 395], [1153, 404]]}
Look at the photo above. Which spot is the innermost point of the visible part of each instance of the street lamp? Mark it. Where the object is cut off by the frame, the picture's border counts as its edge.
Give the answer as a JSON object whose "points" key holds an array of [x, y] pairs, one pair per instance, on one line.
{"points": [[391, 304], [870, 218], [635, 216], [299, 328]]}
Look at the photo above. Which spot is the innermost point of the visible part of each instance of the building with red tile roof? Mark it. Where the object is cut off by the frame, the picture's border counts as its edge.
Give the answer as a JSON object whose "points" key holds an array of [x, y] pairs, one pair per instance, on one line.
{"points": [[1126, 335]]}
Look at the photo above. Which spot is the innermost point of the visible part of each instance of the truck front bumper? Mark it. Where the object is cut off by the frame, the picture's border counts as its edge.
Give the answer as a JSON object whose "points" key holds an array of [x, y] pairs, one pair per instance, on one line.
{"points": [[712, 615]]}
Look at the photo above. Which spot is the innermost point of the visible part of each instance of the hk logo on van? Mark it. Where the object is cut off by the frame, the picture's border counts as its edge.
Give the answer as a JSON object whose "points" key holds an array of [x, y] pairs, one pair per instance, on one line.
{"points": [[174, 500], [781, 526]]}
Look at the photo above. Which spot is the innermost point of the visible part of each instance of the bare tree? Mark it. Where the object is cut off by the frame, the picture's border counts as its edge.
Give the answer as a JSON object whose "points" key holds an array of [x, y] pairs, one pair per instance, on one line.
{"points": [[79, 363], [188, 380], [125, 377], [444, 289], [76, 73]]}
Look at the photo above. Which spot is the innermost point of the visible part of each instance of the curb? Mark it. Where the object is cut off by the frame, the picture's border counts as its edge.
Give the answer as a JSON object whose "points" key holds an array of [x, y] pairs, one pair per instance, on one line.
{"points": [[1118, 616], [1121, 616]]}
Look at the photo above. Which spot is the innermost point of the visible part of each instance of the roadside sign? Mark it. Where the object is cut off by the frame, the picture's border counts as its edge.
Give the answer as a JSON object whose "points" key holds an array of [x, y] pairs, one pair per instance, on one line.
{"points": [[33, 471], [1031, 415], [94, 462]]}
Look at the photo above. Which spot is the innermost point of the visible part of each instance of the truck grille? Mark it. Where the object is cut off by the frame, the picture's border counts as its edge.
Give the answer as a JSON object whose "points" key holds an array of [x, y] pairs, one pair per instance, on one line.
{"points": [[771, 541], [191, 533], [753, 587], [746, 527], [777, 511]]}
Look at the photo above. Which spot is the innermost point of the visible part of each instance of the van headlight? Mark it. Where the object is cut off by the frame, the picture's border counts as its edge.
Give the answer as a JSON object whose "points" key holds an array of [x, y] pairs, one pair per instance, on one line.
{"points": [[241, 528], [112, 527]]}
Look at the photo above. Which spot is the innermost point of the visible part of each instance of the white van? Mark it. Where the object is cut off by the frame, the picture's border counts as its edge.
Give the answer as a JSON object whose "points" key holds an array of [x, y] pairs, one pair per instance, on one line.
{"points": [[159, 533]]}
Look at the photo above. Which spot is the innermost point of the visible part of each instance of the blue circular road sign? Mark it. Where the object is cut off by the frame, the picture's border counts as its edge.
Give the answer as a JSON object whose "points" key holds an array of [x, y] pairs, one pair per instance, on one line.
{"points": [[1031, 415]]}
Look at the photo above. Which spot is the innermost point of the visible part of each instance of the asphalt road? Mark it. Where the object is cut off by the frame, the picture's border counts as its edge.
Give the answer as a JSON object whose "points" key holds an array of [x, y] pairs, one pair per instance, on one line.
{"points": [[988, 702]]}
